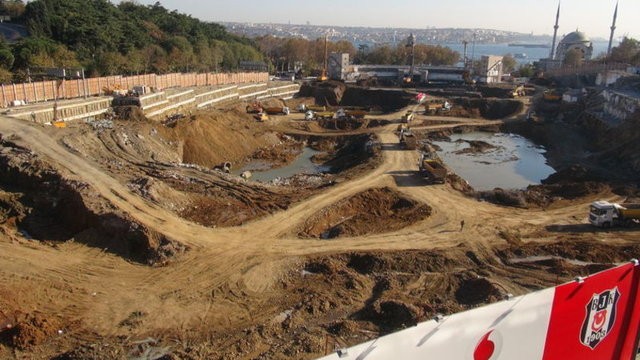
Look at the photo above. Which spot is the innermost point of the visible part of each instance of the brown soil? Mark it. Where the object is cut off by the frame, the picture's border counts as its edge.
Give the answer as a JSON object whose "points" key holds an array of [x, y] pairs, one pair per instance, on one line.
{"points": [[370, 212], [247, 275], [476, 146]]}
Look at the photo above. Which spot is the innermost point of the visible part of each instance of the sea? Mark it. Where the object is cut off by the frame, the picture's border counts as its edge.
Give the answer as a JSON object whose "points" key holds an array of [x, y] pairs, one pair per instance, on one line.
{"points": [[525, 55]]}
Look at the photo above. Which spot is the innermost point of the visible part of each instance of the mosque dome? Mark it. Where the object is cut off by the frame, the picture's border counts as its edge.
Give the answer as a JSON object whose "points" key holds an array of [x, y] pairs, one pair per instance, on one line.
{"points": [[576, 37], [576, 40]]}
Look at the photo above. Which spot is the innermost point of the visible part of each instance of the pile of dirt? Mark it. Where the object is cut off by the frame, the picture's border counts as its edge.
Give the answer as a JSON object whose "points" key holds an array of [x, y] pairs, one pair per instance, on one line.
{"points": [[129, 113], [54, 207], [31, 330], [476, 147], [327, 93], [373, 211], [210, 138]]}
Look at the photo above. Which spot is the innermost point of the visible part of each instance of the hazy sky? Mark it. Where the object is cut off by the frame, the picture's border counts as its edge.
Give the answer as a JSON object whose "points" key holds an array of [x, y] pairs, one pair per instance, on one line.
{"points": [[591, 16]]}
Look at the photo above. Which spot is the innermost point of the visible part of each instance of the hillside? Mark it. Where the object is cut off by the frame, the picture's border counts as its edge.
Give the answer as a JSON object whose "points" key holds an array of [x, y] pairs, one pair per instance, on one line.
{"points": [[126, 38]]}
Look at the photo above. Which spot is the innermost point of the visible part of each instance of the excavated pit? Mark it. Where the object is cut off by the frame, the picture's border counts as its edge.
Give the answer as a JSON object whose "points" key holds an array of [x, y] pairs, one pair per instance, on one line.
{"points": [[374, 211]]}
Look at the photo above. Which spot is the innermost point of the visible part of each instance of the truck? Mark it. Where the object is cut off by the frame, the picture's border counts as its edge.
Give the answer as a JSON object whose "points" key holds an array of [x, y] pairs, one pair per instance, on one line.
{"points": [[277, 110], [407, 140], [431, 168], [605, 214], [436, 107]]}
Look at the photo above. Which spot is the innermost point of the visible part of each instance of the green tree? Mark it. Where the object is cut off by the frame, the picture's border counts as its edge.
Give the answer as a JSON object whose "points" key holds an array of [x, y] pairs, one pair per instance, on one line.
{"points": [[509, 63], [573, 58], [628, 51]]}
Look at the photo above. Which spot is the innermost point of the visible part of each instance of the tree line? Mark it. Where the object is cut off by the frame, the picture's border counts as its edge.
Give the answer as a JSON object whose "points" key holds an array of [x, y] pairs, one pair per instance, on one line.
{"points": [[129, 38], [108, 39], [284, 53]]}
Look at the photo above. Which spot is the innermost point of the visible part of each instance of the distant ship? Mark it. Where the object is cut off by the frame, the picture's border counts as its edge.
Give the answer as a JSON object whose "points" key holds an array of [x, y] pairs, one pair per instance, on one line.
{"points": [[530, 45], [520, 56]]}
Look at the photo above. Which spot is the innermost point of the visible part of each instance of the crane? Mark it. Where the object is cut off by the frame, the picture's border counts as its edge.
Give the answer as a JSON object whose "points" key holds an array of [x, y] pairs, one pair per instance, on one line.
{"points": [[323, 76]]}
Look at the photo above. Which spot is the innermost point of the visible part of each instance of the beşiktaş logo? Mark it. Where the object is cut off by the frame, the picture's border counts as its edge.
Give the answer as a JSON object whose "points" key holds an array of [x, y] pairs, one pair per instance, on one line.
{"points": [[601, 314]]}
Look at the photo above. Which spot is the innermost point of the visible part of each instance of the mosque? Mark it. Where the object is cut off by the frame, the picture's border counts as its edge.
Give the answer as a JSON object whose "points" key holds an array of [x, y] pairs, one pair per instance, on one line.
{"points": [[576, 40]]}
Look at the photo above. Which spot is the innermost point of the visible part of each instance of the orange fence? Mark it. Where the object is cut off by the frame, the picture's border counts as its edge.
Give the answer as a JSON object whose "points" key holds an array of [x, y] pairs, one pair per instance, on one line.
{"points": [[68, 89]]}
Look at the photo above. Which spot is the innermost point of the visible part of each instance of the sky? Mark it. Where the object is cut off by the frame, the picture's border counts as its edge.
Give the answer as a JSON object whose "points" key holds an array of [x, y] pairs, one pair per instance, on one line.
{"points": [[590, 16]]}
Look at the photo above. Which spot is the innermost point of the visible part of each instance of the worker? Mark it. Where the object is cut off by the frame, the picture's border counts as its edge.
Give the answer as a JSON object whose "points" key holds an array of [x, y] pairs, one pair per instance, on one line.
{"points": [[461, 224]]}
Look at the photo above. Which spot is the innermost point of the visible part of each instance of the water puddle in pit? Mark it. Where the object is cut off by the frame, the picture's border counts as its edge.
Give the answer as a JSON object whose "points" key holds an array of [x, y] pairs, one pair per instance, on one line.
{"points": [[514, 163], [262, 171]]}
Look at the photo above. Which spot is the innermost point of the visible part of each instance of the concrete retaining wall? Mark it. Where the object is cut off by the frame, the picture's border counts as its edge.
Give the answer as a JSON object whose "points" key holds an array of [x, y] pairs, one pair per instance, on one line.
{"points": [[156, 105]]}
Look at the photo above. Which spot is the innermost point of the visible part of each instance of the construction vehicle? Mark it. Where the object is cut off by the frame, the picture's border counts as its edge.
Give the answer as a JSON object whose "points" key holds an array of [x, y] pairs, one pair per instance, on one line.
{"points": [[434, 107], [605, 214], [408, 116], [316, 108], [355, 114], [324, 115], [408, 141], [261, 117], [431, 167], [551, 95], [518, 92], [277, 110]]}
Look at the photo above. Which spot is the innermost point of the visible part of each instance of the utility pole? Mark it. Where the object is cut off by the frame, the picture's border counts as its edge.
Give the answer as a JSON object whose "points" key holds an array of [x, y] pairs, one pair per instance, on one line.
{"points": [[465, 61]]}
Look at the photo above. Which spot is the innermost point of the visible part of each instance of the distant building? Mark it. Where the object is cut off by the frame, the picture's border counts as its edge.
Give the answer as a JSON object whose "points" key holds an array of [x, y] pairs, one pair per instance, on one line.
{"points": [[338, 66], [490, 71]]}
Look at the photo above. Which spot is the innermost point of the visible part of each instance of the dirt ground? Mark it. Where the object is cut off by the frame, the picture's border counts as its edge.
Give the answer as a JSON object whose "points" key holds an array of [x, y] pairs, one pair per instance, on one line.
{"points": [[127, 239]]}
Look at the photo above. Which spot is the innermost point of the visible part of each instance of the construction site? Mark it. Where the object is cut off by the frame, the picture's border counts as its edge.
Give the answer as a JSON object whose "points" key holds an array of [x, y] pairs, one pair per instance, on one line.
{"points": [[251, 219]]}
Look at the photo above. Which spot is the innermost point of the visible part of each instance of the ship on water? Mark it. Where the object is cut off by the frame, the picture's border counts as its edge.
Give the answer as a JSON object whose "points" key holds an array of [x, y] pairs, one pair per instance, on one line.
{"points": [[525, 45]]}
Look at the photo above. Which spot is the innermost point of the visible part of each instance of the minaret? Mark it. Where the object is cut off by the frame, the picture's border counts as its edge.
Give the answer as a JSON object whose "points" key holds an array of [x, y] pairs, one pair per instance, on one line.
{"points": [[613, 29], [555, 34]]}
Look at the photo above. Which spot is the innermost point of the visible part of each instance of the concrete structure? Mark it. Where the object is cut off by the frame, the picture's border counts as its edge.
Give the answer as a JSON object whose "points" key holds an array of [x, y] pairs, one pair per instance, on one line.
{"points": [[609, 77], [490, 70], [573, 95], [155, 105], [426, 73], [621, 104], [338, 66]]}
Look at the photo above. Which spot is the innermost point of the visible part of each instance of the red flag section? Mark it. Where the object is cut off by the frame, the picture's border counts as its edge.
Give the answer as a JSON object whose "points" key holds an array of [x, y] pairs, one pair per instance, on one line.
{"points": [[597, 317]]}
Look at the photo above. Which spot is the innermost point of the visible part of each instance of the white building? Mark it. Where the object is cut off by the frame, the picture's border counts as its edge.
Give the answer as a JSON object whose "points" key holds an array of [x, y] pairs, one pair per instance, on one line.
{"points": [[490, 71]]}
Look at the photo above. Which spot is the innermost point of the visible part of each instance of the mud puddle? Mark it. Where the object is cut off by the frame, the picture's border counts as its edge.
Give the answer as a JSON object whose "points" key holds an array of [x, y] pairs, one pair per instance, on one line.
{"points": [[506, 161], [262, 170]]}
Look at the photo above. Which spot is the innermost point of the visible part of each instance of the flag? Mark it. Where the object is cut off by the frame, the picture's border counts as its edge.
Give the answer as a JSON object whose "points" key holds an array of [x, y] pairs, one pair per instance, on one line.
{"points": [[596, 317]]}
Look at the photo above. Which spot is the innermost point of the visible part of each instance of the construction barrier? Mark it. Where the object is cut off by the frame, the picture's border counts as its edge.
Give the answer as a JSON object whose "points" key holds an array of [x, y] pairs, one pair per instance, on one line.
{"points": [[69, 89]]}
